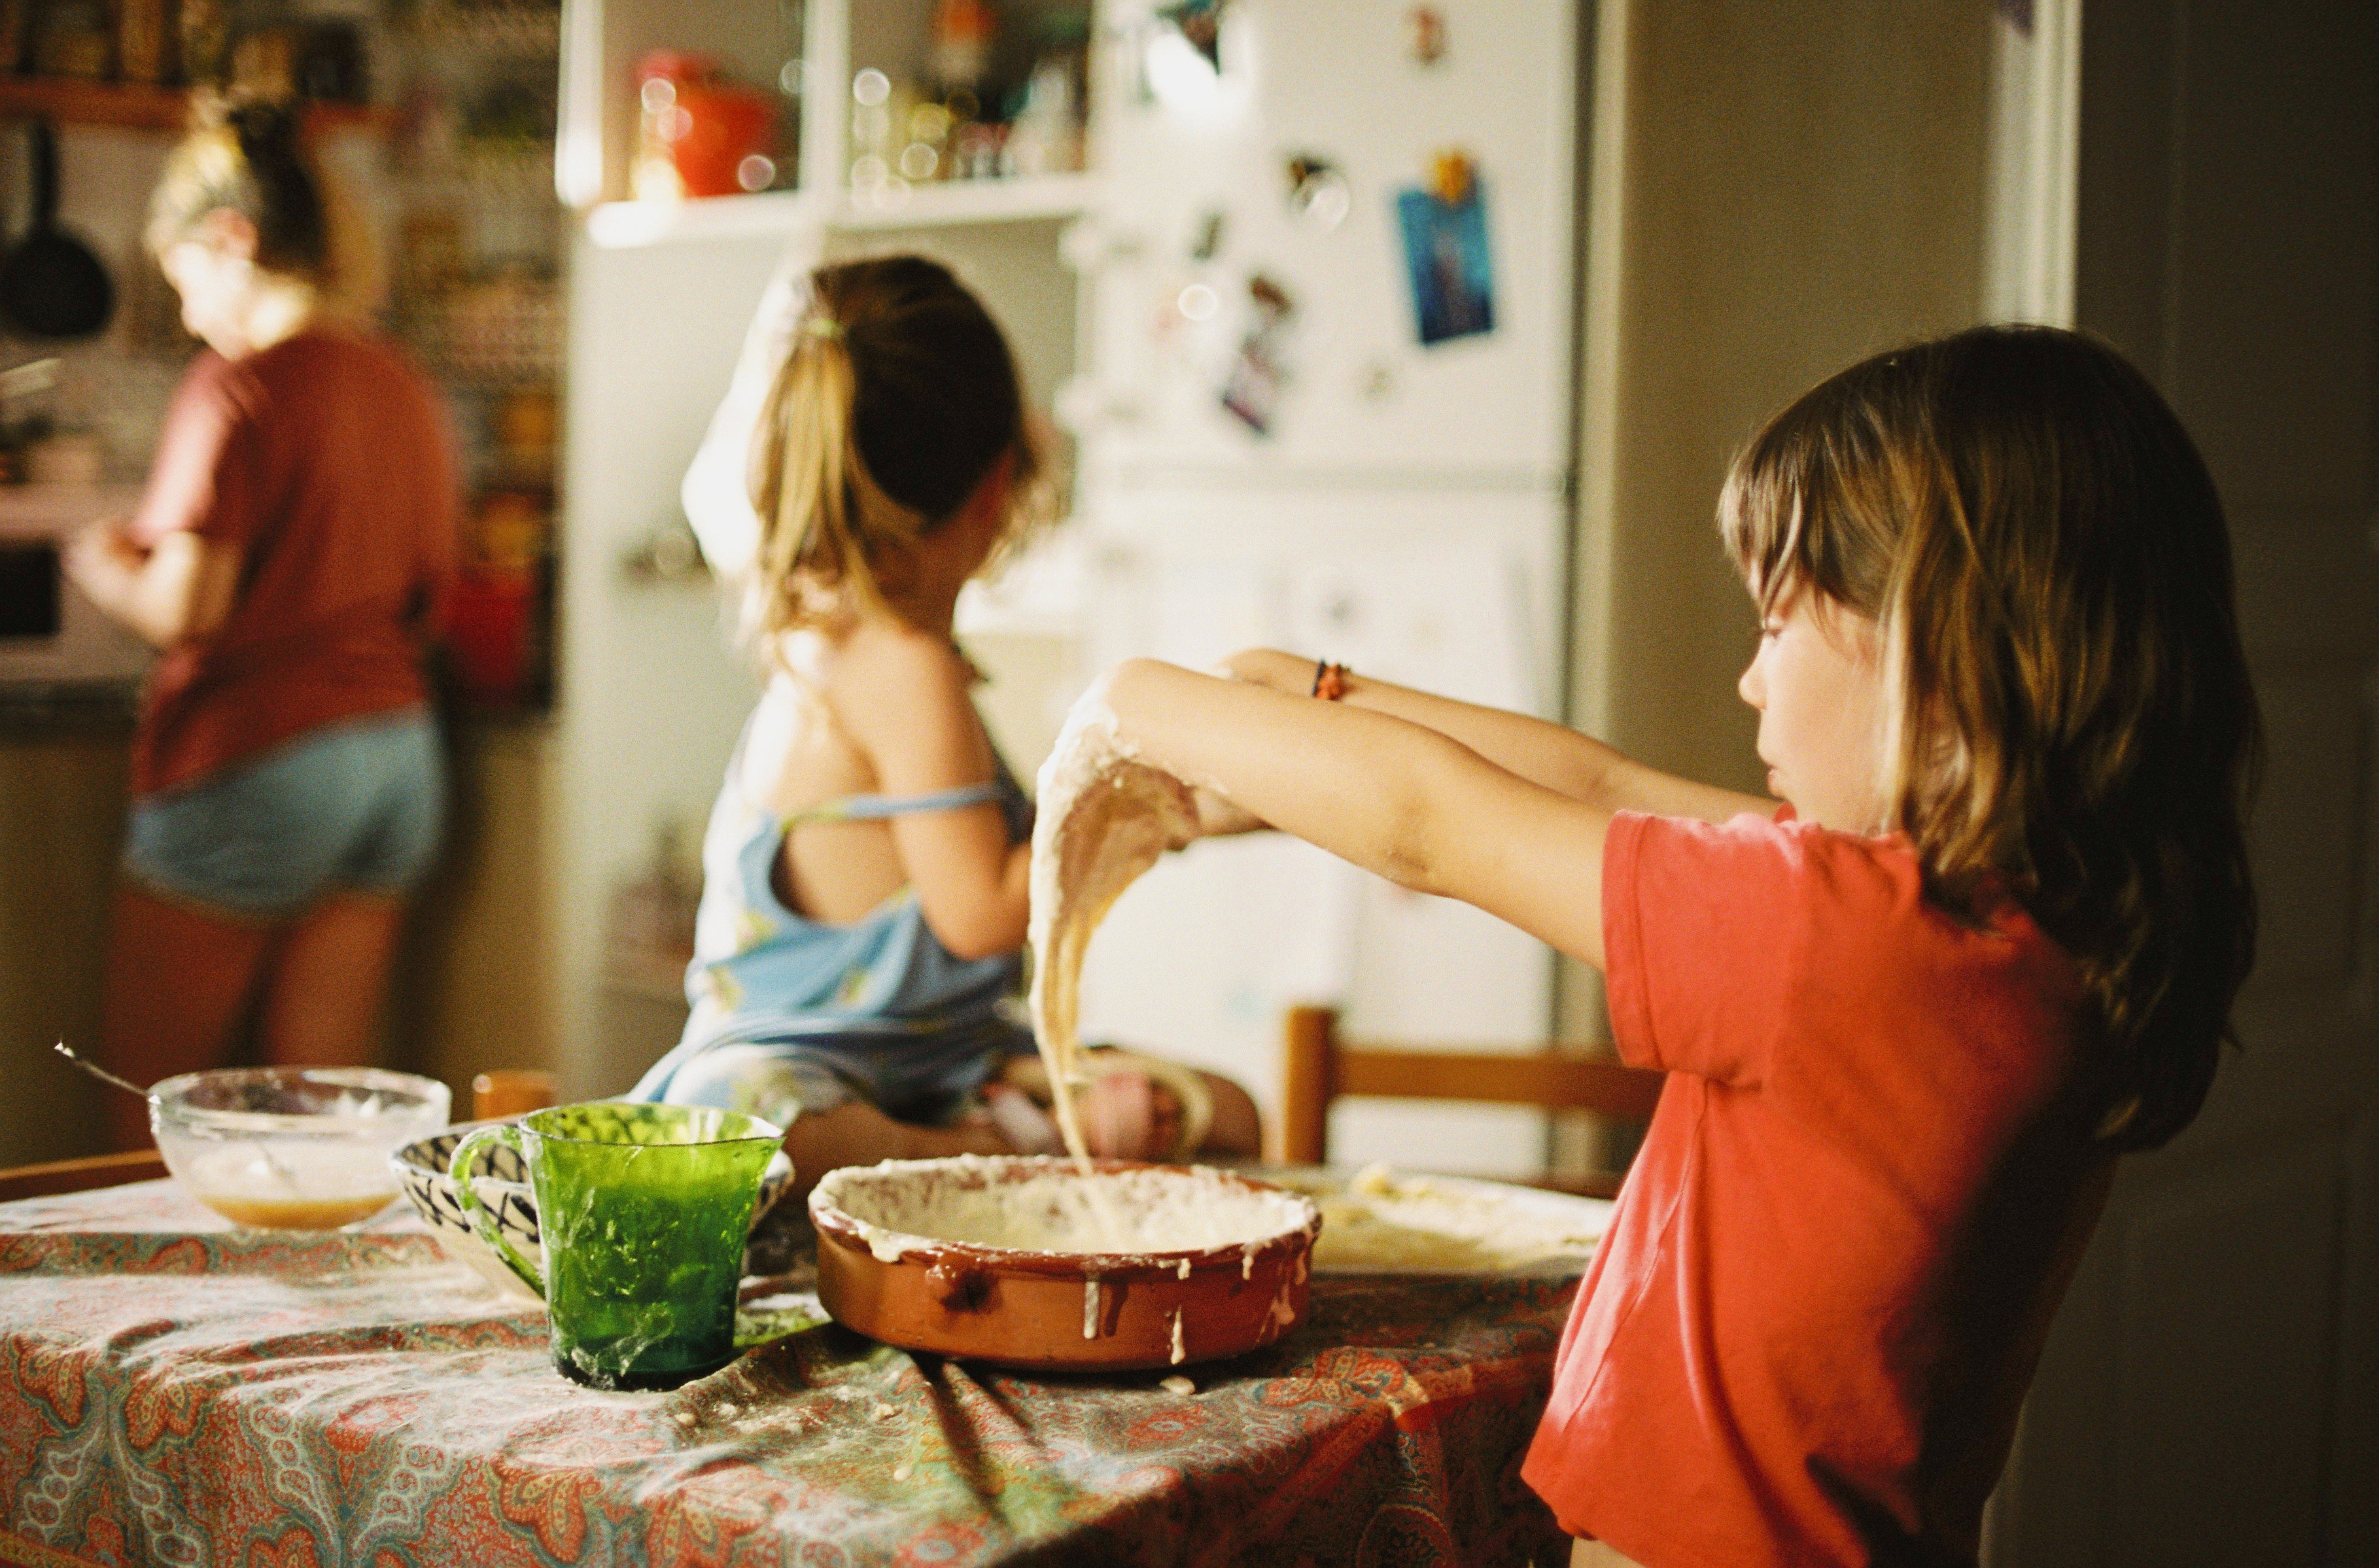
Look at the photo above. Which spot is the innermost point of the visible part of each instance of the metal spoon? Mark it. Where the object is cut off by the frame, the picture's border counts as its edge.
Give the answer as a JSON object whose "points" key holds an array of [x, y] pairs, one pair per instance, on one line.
{"points": [[98, 1072], [279, 1170]]}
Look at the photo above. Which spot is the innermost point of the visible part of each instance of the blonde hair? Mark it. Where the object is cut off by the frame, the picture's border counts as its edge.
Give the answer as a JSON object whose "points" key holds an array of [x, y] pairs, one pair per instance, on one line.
{"points": [[896, 400], [2069, 720], [247, 155]]}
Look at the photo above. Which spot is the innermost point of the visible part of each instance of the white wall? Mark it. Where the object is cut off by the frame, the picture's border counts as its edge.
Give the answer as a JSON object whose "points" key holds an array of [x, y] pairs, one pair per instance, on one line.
{"points": [[1776, 192]]}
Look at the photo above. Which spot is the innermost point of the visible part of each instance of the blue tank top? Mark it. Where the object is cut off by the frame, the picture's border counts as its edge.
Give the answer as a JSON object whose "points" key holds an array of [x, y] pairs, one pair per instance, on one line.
{"points": [[765, 973]]}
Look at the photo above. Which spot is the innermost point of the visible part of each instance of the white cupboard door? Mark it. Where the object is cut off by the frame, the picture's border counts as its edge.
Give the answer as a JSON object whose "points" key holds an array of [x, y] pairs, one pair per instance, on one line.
{"points": [[2211, 1392]]}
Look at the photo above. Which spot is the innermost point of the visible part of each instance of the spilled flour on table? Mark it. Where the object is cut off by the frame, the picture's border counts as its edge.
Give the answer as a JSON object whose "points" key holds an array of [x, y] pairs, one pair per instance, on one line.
{"points": [[1380, 1221]]}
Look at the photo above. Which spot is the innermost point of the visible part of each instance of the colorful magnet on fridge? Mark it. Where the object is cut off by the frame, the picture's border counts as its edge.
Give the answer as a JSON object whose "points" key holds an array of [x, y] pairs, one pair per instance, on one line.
{"points": [[1451, 176], [1425, 34], [1199, 21], [1318, 193], [1207, 243], [1446, 261], [1258, 371]]}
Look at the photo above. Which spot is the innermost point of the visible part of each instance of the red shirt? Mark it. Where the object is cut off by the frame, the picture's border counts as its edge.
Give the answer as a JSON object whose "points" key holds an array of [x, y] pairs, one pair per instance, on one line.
{"points": [[324, 461], [1823, 1294]]}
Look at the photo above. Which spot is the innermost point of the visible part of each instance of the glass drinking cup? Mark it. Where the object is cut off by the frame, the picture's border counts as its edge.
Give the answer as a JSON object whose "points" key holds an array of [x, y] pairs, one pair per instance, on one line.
{"points": [[644, 1212]]}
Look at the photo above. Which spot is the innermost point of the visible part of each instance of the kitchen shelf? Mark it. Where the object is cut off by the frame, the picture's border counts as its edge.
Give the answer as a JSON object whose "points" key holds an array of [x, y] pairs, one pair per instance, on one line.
{"points": [[1019, 200], [139, 106], [619, 226]]}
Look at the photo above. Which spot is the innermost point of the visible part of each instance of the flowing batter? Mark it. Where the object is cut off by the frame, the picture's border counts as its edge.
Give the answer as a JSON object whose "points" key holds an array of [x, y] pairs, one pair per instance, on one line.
{"points": [[1103, 817]]}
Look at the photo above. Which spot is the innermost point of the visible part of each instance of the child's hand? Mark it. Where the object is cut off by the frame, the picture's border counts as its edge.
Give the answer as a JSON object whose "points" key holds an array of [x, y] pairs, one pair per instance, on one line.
{"points": [[100, 559]]}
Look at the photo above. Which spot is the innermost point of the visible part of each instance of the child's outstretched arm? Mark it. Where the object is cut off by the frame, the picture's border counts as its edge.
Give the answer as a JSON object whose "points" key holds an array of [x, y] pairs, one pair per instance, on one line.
{"points": [[1393, 796], [1552, 755]]}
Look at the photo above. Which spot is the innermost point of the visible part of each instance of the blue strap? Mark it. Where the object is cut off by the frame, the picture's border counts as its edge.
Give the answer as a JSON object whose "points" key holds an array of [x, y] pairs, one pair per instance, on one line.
{"points": [[874, 808]]}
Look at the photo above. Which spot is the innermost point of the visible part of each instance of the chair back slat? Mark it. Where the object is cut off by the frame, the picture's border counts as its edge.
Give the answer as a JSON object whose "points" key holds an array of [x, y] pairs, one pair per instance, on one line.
{"points": [[1319, 1067], [511, 1091], [56, 1178], [1557, 1083]]}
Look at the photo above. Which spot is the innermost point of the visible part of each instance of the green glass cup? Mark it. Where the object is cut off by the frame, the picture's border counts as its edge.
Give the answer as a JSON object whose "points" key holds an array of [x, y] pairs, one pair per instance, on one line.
{"points": [[643, 1211]]}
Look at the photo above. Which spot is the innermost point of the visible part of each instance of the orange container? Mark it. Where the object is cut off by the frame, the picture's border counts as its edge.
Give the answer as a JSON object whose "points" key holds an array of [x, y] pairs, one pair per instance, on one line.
{"points": [[700, 132]]}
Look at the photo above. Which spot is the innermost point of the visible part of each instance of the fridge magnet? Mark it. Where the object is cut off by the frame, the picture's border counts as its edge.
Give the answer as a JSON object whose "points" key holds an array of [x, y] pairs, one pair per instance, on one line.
{"points": [[1446, 260], [1318, 193], [1451, 176], [1425, 34], [1207, 242], [1259, 371], [1199, 21]]}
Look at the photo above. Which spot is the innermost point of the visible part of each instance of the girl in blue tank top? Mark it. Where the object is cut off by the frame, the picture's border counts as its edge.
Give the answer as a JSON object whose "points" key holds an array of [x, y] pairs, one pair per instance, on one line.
{"points": [[859, 945]]}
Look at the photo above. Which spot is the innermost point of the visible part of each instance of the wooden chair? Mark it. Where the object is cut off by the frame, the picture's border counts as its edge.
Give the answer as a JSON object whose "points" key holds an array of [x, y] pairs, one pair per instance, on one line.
{"points": [[55, 1177], [501, 1093], [510, 1091], [1319, 1067]]}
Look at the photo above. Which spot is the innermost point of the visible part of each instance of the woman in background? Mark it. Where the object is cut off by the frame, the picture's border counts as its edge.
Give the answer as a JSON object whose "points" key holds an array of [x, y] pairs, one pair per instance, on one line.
{"points": [[287, 560]]}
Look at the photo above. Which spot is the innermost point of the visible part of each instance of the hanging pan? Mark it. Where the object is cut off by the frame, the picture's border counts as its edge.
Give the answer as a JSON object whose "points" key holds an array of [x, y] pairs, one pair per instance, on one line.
{"points": [[51, 286]]}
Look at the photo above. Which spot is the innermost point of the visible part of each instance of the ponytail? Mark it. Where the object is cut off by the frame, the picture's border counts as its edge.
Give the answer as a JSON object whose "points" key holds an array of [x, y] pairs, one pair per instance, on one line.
{"points": [[246, 156], [825, 523], [897, 398]]}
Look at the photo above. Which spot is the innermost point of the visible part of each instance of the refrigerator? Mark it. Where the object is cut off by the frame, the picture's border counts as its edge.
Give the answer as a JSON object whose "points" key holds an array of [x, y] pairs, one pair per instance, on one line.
{"points": [[1326, 403]]}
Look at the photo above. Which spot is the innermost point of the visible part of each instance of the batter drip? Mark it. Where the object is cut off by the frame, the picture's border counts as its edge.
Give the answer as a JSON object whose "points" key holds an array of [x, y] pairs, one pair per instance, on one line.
{"points": [[1105, 816]]}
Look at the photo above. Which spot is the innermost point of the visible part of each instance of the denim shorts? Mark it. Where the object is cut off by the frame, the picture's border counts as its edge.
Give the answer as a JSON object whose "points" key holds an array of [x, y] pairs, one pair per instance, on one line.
{"points": [[350, 807]]}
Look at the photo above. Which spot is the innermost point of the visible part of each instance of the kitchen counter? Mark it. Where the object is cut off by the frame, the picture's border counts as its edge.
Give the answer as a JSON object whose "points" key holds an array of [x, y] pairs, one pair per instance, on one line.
{"points": [[103, 707]]}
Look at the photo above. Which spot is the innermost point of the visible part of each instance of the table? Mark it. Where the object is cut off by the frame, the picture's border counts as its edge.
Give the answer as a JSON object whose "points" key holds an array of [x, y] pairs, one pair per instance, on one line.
{"points": [[175, 1392]]}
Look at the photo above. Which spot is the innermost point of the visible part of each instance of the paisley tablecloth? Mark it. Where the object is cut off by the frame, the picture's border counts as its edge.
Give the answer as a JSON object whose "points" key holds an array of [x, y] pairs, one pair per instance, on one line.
{"points": [[172, 1392]]}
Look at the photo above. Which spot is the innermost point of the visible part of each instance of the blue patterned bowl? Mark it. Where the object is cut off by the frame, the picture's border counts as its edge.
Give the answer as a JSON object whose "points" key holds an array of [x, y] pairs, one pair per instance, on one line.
{"points": [[502, 1181]]}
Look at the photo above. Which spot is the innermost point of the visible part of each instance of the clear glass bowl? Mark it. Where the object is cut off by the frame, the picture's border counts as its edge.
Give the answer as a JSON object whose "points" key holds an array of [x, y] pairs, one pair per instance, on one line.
{"points": [[293, 1148]]}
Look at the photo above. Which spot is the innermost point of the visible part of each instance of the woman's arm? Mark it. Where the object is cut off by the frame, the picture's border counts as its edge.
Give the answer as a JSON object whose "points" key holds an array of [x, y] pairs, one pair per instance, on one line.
{"points": [[1396, 797], [903, 701], [1551, 754], [179, 590]]}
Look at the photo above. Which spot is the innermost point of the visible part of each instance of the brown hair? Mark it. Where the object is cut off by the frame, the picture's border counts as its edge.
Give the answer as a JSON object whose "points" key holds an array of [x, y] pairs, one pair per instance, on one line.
{"points": [[246, 156], [2071, 722], [897, 398]]}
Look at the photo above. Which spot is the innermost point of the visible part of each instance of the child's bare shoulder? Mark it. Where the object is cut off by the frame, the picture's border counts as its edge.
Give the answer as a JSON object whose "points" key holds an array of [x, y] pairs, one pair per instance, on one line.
{"points": [[887, 672]]}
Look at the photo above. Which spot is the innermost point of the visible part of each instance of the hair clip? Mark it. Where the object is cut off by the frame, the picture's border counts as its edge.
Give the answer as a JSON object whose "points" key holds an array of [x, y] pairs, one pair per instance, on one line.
{"points": [[822, 327]]}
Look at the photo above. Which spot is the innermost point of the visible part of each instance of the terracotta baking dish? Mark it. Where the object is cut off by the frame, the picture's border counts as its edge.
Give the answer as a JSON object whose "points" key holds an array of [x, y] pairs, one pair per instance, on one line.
{"points": [[1067, 1311]]}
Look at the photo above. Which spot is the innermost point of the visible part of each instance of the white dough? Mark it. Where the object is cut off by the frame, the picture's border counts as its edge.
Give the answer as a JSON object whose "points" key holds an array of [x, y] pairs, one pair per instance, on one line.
{"points": [[903, 1206], [1105, 816]]}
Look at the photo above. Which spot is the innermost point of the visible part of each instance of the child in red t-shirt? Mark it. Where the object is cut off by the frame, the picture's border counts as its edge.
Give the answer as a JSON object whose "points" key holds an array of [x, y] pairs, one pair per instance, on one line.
{"points": [[1989, 941]]}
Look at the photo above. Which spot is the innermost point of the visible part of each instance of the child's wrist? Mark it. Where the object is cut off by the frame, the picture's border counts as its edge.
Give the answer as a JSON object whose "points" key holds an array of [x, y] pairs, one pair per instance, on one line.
{"points": [[1270, 669]]}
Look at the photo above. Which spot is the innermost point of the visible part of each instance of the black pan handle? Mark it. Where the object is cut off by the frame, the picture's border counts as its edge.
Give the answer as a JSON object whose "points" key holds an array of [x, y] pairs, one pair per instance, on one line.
{"points": [[45, 176]]}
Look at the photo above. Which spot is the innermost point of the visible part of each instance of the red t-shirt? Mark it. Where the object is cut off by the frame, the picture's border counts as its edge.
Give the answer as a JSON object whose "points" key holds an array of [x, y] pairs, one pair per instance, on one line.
{"points": [[324, 460], [1806, 1336]]}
